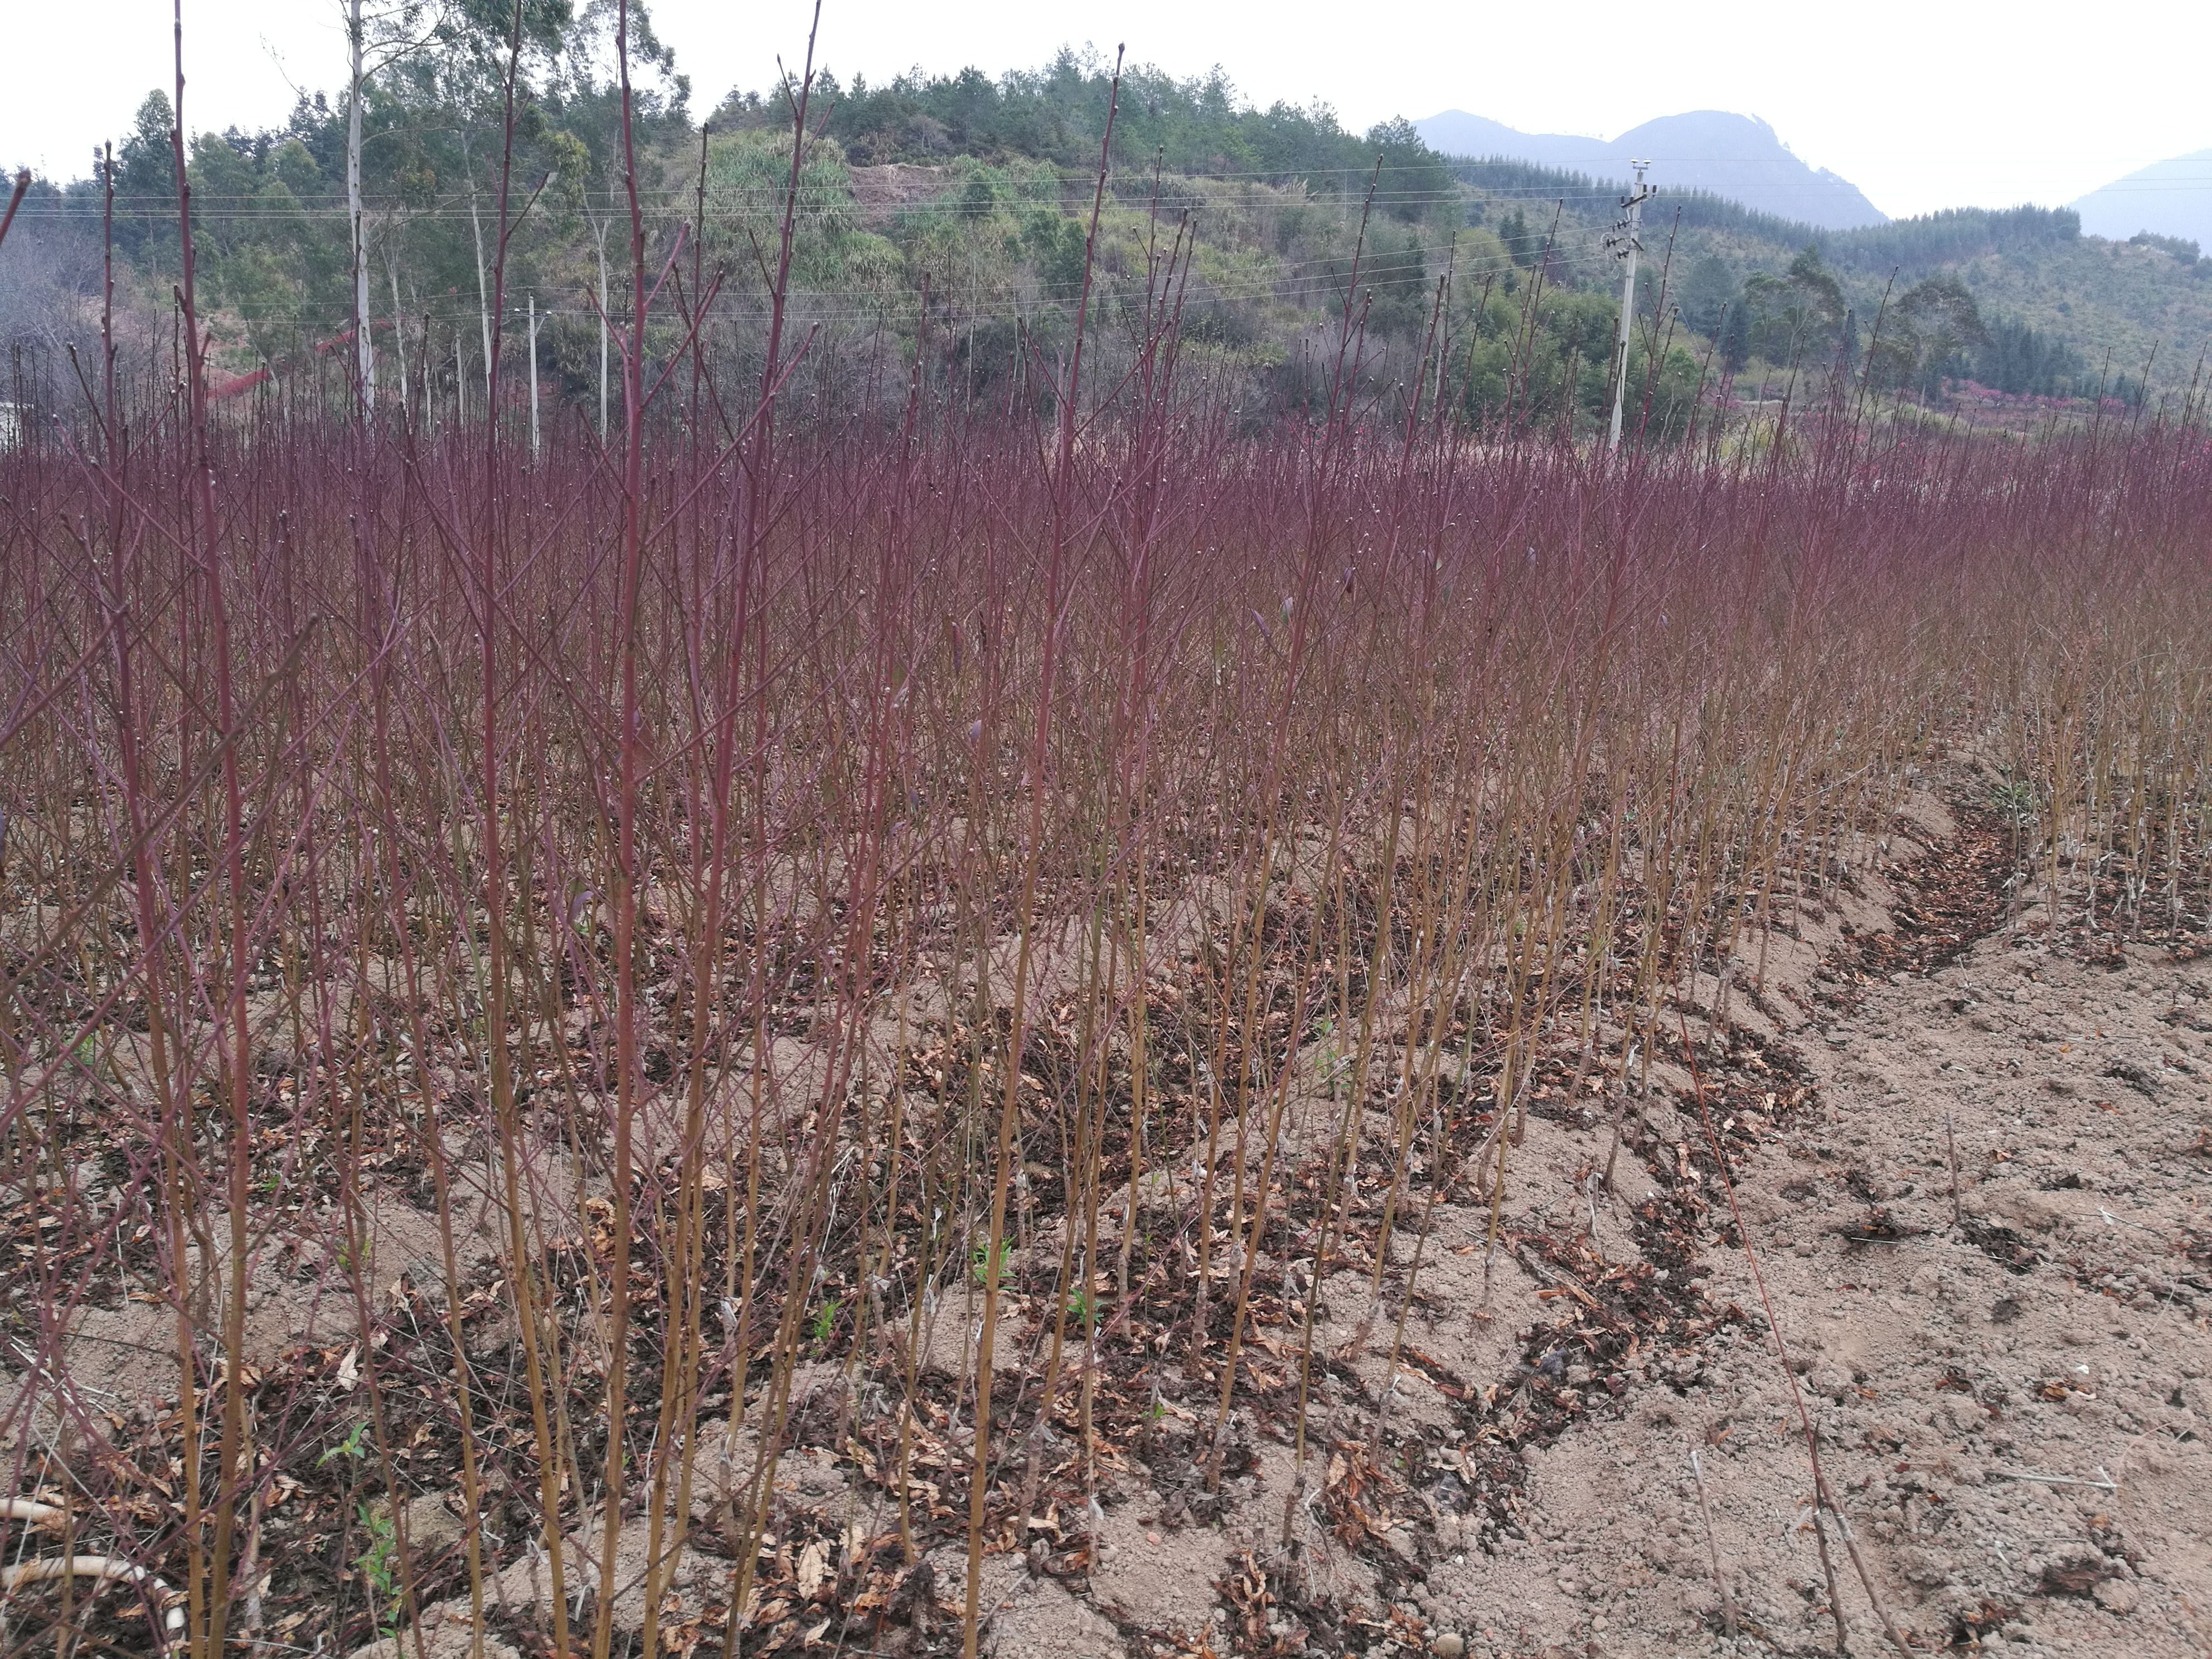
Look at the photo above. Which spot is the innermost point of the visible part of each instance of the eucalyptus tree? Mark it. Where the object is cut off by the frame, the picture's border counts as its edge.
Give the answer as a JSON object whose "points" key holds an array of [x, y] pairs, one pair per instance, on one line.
{"points": [[377, 37]]}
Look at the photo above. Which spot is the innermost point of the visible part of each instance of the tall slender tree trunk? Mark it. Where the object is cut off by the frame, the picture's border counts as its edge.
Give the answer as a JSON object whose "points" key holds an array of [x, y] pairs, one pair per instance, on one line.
{"points": [[602, 229], [365, 388], [398, 315], [533, 377], [483, 293]]}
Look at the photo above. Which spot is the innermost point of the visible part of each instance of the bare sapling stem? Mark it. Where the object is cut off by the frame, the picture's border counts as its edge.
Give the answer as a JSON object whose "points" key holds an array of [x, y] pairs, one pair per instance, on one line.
{"points": [[1713, 1546], [1063, 507], [1824, 1501]]}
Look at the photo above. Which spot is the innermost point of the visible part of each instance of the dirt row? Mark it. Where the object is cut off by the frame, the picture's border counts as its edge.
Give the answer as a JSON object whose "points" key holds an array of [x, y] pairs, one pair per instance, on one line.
{"points": [[1968, 1152], [1975, 1195]]}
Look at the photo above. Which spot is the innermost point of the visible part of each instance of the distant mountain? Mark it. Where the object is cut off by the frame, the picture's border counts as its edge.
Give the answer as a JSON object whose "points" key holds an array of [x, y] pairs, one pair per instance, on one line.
{"points": [[1737, 156], [2167, 198]]}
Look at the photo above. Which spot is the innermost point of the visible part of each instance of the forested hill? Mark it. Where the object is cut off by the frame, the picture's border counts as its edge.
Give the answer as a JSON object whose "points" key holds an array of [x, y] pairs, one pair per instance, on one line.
{"points": [[979, 186]]}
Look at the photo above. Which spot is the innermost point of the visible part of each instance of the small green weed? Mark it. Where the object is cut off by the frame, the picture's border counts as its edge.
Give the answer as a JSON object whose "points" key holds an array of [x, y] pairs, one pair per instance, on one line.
{"points": [[351, 1447], [379, 1565], [980, 1259]]}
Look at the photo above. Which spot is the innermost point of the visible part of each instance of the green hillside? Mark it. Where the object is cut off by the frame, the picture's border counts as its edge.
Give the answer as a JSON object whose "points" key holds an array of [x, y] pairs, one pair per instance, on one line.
{"points": [[1252, 220], [2101, 310]]}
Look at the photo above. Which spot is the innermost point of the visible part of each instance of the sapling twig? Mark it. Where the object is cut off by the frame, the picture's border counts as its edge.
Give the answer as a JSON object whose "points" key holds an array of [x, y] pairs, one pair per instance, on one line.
{"points": [[1825, 1501], [1951, 1151], [1713, 1545]]}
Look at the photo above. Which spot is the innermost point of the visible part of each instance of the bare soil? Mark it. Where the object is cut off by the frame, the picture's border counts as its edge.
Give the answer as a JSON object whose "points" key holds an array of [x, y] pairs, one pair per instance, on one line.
{"points": [[1970, 1154], [2009, 1392], [1976, 1191]]}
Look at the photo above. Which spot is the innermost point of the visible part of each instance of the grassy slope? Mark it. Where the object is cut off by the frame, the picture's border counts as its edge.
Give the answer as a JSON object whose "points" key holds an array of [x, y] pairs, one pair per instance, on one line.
{"points": [[2097, 295], [2106, 297]]}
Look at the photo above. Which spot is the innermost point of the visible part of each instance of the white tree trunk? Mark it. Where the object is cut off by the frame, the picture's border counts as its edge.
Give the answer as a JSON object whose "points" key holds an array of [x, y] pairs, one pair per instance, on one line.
{"points": [[398, 319], [365, 356], [533, 377], [484, 293], [603, 225]]}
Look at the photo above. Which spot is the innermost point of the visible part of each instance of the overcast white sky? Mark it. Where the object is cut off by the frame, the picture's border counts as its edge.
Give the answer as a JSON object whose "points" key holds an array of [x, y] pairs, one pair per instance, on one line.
{"points": [[1922, 103]]}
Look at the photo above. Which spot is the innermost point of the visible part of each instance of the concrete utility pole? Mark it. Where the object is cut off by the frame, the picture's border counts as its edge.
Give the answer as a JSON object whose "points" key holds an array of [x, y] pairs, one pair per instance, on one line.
{"points": [[1624, 246]]}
